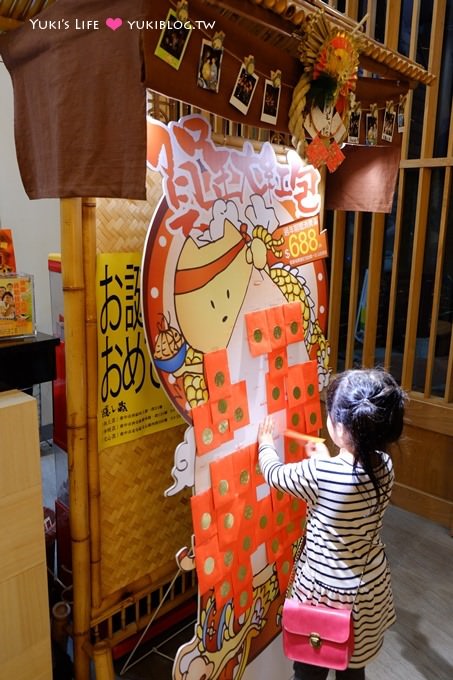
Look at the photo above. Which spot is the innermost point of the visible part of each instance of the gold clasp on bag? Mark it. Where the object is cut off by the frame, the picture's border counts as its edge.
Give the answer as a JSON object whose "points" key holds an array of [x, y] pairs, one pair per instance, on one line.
{"points": [[315, 640]]}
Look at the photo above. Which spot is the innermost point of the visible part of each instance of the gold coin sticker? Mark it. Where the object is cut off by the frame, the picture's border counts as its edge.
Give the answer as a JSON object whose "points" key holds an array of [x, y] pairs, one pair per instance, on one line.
{"points": [[277, 332], [219, 378], [294, 327], [228, 520], [313, 418], [222, 406], [248, 512], [257, 335], [296, 392], [293, 446], [247, 543], [263, 521], [279, 363], [206, 520], [279, 495], [223, 487], [295, 418], [285, 567], [225, 588], [242, 572], [209, 565], [244, 477], [274, 545], [275, 393], [311, 389], [238, 414], [243, 598], [280, 518], [228, 558], [207, 436], [223, 426]]}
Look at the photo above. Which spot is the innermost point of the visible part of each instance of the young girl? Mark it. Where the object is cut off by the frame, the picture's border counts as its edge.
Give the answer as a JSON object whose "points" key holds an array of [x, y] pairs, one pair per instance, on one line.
{"points": [[346, 498]]}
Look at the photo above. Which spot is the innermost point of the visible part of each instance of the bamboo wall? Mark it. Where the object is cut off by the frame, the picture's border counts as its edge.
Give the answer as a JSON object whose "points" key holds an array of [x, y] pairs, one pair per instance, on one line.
{"points": [[409, 303]]}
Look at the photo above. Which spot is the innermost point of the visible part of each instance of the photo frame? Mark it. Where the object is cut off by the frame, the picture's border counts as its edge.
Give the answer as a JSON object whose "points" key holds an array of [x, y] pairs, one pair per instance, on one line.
{"points": [[354, 126], [244, 89], [209, 66], [401, 117], [173, 40], [271, 102], [388, 126], [371, 129]]}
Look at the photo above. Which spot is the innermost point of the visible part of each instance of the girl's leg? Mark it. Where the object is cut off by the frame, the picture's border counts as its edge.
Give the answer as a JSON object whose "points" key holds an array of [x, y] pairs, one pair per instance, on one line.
{"points": [[304, 671], [351, 674]]}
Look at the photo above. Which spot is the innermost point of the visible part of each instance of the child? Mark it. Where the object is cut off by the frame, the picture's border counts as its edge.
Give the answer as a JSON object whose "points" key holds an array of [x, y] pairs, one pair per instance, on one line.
{"points": [[346, 498]]}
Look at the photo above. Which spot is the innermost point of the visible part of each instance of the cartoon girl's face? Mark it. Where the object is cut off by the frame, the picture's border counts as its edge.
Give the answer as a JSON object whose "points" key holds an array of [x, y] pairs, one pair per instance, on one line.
{"points": [[207, 315]]}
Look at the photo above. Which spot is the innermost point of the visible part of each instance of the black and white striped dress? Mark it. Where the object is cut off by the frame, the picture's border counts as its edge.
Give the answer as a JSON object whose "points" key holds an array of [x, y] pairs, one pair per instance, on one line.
{"points": [[343, 518]]}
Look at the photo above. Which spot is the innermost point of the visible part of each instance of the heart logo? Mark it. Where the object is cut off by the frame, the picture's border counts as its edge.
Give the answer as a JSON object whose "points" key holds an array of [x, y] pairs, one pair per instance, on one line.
{"points": [[114, 24]]}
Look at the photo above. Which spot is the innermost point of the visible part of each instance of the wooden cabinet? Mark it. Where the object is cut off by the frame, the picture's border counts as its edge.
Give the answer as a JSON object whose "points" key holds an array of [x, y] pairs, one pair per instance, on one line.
{"points": [[25, 648]]}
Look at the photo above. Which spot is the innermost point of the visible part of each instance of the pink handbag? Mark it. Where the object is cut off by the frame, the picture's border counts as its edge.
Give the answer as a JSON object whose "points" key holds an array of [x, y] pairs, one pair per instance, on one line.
{"points": [[317, 635]]}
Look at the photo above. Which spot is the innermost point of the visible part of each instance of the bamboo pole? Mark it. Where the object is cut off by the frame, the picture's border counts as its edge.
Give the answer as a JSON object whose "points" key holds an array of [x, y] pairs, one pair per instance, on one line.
{"points": [[74, 310], [353, 290], [374, 285], [89, 254], [103, 665], [336, 278]]}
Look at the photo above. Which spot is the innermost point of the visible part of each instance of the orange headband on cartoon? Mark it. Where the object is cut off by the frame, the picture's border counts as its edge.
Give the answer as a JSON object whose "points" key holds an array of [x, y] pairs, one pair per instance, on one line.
{"points": [[188, 280]]}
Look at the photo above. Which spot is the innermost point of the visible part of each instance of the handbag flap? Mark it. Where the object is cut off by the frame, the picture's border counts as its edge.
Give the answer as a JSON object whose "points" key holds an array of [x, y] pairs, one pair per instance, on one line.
{"points": [[305, 619]]}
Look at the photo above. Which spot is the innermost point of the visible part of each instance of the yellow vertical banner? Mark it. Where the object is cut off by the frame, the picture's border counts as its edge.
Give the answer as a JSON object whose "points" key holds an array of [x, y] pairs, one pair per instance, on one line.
{"points": [[131, 402]]}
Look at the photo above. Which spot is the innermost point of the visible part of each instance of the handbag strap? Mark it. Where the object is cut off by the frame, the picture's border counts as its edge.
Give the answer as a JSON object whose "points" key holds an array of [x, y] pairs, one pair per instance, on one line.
{"points": [[300, 548]]}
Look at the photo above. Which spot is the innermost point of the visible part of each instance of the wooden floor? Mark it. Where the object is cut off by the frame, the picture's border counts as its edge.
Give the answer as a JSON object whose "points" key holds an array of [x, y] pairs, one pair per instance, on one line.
{"points": [[420, 645]]}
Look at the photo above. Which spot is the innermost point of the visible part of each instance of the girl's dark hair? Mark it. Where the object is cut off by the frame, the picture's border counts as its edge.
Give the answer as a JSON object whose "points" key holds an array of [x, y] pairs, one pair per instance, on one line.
{"points": [[369, 403]]}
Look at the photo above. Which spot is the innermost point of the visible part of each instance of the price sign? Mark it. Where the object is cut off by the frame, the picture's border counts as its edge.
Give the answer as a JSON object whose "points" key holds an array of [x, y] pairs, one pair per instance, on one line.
{"points": [[303, 242]]}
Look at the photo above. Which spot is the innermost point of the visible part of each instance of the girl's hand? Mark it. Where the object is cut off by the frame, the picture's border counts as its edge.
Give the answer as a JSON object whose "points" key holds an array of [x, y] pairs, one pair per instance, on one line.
{"points": [[265, 431]]}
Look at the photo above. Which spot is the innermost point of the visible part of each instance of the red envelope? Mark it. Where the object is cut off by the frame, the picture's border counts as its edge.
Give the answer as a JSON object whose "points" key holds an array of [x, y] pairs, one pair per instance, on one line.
{"points": [[275, 393], [294, 321], [310, 381], [243, 598], [294, 386], [217, 374], [222, 481], [313, 418], [278, 362], [281, 519], [255, 470], [220, 409], [276, 326], [204, 519], [208, 564], [280, 500], [239, 406], [242, 573], [258, 333], [247, 540], [295, 419], [297, 508]]}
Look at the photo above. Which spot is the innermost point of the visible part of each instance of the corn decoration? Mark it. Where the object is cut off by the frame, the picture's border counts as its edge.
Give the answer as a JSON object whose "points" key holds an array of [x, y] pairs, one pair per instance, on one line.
{"points": [[330, 58]]}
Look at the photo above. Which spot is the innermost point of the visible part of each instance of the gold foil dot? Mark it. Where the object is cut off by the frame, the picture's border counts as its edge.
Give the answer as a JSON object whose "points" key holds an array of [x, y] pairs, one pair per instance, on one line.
{"points": [[223, 426], [263, 522], [293, 446], [296, 393], [275, 393], [209, 565], [280, 518], [295, 419], [225, 588], [285, 567], [313, 418], [294, 327], [243, 598], [244, 477], [257, 335], [207, 436], [311, 389], [242, 572], [222, 406], [277, 332], [248, 512], [223, 487], [228, 520], [274, 545], [279, 494], [238, 414], [279, 363], [228, 558], [206, 520], [247, 543], [219, 378]]}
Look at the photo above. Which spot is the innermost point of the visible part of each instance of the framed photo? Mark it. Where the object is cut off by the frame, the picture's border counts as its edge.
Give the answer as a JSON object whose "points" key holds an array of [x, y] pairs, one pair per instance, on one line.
{"points": [[243, 90], [401, 119], [354, 127], [271, 101], [388, 126], [173, 40], [209, 66], [17, 305]]}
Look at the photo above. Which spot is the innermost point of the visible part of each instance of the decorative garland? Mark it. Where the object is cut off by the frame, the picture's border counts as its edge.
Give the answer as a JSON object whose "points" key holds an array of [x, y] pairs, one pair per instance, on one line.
{"points": [[331, 59]]}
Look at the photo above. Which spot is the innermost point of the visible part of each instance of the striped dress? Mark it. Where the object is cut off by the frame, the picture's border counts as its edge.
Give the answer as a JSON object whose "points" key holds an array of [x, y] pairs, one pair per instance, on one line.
{"points": [[342, 522]]}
